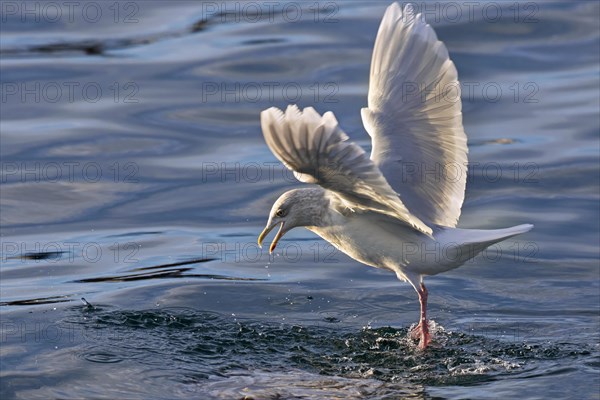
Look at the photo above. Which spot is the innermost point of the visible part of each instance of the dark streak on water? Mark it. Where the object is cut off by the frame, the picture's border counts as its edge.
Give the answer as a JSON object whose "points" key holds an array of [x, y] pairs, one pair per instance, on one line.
{"points": [[179, 300]]}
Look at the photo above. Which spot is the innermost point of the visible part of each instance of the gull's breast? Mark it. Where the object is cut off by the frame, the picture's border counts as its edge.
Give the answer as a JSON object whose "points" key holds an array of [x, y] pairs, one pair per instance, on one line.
{"points": [[366, 239]]}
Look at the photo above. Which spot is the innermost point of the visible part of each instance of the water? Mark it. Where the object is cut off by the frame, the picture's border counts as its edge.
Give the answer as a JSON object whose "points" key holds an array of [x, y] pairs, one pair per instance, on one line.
{"points": [[134, 175]]}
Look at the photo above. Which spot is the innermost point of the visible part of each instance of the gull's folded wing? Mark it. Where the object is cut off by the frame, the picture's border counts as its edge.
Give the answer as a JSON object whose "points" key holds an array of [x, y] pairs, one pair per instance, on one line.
{"points": [[414, 118], [317, 150]]}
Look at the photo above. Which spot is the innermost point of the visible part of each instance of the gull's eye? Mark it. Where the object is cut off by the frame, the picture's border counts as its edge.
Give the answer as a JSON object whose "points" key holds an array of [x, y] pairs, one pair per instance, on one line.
{"points": [[280, 213]]}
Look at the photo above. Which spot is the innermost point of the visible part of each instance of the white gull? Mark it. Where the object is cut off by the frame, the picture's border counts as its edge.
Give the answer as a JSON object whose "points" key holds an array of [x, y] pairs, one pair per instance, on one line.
{"points": [[398, 208]]}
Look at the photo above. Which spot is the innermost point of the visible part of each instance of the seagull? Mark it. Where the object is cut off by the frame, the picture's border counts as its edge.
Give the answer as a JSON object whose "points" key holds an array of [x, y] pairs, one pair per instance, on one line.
{"points": [[398, 208]]}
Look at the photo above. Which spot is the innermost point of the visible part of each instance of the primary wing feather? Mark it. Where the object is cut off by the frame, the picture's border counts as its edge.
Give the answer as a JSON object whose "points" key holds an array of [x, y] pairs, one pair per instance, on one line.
{"points": [[414, 118], [318, 151]]}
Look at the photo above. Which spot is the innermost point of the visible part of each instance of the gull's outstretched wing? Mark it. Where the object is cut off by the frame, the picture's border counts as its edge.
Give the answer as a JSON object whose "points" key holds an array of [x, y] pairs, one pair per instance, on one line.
{"points": [[317, 150], [414, 117]]}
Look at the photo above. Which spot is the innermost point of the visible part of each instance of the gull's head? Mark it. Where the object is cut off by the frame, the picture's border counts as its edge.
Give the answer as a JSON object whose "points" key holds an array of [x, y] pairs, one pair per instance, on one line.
{"points": [[298, 207]]}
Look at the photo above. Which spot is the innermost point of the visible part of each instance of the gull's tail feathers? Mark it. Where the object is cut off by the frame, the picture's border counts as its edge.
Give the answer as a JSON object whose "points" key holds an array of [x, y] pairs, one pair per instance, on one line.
{"points": [[460, 245], [483, 236]]}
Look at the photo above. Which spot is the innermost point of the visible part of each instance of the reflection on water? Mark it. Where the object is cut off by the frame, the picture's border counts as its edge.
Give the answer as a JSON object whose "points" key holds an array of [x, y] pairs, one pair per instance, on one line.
{"points": [[134, 175]]}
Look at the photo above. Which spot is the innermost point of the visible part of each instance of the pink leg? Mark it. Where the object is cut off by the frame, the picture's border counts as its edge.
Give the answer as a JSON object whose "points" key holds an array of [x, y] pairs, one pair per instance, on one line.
{"points": [[421, 331]]}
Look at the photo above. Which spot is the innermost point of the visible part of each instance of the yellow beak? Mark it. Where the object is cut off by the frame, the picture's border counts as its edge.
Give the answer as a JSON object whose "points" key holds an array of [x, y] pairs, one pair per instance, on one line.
{"points": [[266, 231]]}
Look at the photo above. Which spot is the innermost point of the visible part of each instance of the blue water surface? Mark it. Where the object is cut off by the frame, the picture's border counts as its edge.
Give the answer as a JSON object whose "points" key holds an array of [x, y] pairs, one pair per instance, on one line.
{"points": [[135, 175]]}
